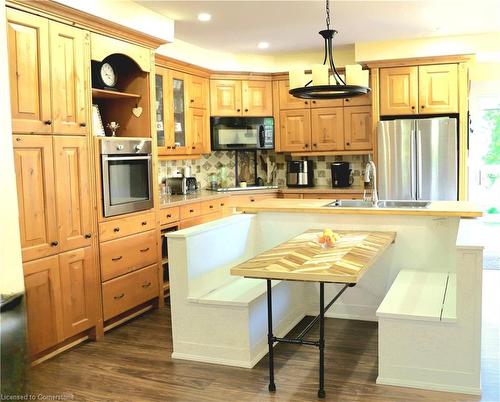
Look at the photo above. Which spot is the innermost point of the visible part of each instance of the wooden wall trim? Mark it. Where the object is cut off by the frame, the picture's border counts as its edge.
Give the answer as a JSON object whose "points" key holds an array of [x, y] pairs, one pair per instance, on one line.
{"points": [[181, 66], [420, 61], [80, 19]]}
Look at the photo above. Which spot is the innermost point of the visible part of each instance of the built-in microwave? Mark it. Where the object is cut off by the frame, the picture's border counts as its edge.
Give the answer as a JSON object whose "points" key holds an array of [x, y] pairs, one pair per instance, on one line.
{"points": [[126, 175], [242, 133]]}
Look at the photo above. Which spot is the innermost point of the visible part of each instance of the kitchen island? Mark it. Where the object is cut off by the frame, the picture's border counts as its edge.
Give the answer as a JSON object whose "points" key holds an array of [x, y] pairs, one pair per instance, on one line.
{"points": [[425, 290]]}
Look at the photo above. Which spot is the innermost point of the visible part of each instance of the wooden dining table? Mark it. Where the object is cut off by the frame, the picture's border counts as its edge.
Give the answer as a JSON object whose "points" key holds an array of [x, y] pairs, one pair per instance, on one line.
{"points": [[304, 258]]}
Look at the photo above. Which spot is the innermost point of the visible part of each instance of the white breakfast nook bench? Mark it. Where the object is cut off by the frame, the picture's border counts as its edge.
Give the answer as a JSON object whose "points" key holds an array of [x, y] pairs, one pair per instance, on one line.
{"points": [[425, 291]]}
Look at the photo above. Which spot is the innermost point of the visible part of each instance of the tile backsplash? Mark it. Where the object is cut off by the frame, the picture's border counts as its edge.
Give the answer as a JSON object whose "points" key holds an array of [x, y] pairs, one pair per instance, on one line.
{"points": [[210, 164]]}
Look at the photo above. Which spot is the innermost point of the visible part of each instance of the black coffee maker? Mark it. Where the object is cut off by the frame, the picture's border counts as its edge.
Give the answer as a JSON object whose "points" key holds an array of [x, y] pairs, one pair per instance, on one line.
{"points": [[341, 174]]}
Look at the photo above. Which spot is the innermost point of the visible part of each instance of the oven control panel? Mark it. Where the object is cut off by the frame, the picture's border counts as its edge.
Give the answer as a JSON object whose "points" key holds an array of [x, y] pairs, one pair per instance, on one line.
{"points": [[125, 146]]}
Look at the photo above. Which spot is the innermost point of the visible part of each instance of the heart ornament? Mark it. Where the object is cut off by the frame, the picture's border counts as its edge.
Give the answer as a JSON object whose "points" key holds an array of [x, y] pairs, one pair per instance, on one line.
{"points": [[137, 111]]}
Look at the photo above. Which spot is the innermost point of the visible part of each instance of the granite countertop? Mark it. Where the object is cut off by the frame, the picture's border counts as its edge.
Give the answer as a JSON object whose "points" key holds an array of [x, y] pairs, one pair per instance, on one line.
{"points": [[206, 195], [322, 190]]}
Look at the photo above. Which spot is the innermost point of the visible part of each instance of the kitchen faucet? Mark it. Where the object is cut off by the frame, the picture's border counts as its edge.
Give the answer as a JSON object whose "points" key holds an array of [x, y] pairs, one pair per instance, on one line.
{"points": [[371, 170]]}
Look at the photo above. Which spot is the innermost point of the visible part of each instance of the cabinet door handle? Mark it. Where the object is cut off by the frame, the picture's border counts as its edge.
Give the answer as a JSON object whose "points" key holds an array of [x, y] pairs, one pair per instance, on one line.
{"points": [[169, 215], [118, 297], [83, 124], [88, 235], [146, 285], [116, 230], [246, 110], [18, 139], [194, 147], [252, 199], [117, 258], [413, 108], [238, 110], [306, 145], [47, 122], [422, 106], [55, 243], [315, 145], [191, 211], [210, 206], [144, 223], [348, 144], [222, 204], [192, 100], [314, 102], [347, 100], [143, 250]]}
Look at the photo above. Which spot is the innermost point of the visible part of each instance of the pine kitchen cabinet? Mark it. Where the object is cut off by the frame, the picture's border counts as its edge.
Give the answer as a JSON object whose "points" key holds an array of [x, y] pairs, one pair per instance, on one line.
{"points": [[427, 89], [47, 75], [182, 118], [241, 97], [326, 129]]}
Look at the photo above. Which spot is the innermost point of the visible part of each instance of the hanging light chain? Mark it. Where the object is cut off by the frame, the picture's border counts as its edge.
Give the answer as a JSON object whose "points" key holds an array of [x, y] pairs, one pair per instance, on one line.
{"points": [[327, 14]]}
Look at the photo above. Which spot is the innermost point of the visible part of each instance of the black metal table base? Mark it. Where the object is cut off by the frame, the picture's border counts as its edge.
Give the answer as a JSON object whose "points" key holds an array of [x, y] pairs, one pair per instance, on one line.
{"points": [[320, 343]]}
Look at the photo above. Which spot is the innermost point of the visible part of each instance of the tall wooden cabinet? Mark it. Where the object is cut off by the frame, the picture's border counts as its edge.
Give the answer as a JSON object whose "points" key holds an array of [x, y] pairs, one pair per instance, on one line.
{"points": [[48, 71]]}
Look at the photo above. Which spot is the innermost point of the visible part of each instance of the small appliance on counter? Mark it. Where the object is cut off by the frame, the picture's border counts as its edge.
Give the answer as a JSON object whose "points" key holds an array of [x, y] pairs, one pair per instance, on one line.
{"points": [[300, 174], [341, 174], [182, 185]]}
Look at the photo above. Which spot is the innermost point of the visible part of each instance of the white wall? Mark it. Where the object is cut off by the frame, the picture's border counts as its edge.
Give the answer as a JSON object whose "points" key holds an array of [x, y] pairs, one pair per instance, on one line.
{"points": [[11, 271], [129, 14]]}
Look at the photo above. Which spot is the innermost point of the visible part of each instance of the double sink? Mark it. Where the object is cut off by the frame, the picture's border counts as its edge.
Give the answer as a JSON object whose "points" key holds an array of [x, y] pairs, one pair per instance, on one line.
{"points": [[380, 204]]}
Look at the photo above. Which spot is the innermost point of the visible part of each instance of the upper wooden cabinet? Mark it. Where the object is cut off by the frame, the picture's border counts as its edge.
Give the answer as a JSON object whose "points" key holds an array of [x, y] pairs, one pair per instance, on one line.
{"points": [[33, 159], [327, 129], [398, 90], [358, 128], [287, 101], [68, 82], [419, 89], [29, 70], [43, 303], [225, 98], [257, 98], [79, 289], [198, 89], [295, 130], [241, 98], [438, 88], [47, 86], [72, 185], [182, 120]]}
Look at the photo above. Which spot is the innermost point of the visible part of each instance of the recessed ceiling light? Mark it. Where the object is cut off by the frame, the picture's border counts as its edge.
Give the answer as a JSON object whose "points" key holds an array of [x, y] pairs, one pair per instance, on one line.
{"points": [[263, 45], [204, 17]]}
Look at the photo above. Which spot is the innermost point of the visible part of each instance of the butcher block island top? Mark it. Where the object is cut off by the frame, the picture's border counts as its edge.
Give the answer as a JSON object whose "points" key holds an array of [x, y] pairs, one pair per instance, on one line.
{"points": [[304, 259], [436, 208]]}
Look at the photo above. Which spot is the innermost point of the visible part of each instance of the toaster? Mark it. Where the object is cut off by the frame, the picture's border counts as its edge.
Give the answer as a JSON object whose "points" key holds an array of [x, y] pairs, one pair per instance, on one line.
{"points": [[182, 185]]}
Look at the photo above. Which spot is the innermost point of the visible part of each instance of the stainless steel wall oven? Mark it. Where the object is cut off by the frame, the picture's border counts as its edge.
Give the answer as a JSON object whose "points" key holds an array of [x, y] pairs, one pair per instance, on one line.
{"points": [[126, 175]]}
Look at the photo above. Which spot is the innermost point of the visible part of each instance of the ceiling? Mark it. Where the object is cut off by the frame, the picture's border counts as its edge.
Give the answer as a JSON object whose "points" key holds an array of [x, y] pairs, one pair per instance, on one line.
{"points": [[292, 26]]}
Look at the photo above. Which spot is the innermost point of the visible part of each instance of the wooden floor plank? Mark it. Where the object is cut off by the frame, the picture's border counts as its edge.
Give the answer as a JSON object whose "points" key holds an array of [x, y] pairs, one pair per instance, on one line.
{"points": [[133, 363]]}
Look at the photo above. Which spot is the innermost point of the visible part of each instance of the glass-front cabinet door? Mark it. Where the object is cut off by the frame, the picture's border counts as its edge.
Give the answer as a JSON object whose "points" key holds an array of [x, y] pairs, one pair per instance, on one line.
{"points": [[171, 116]]}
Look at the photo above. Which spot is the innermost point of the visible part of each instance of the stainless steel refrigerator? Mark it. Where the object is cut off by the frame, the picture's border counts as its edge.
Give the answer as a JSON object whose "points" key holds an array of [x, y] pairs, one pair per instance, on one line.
{"points": [[417, 159]]}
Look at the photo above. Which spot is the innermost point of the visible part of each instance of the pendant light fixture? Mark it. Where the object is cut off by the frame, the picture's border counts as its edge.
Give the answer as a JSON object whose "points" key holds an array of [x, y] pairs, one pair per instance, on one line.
{"points": [[326, 86]]}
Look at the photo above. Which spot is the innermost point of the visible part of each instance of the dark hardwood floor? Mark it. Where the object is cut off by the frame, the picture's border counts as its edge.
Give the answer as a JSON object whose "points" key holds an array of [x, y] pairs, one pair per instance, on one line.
{"points": [[133, 363]]}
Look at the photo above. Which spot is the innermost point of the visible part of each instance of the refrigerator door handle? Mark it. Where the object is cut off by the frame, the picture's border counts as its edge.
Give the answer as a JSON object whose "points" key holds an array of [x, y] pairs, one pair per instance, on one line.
{"points": [[418, 170], [413, 164]]}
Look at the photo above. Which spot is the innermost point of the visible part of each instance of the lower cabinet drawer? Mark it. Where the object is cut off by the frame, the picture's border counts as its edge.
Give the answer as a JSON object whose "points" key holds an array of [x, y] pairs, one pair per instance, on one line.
{"points": [[122, 294], [209, 207], [124, 255], [119, 228], [190, 210], [169, 215]]}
